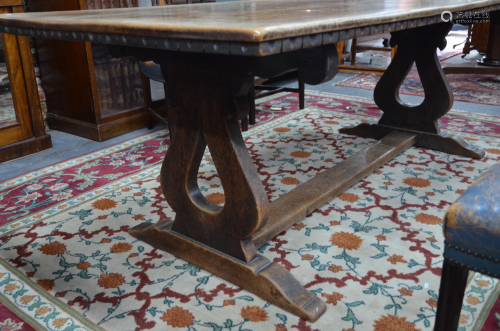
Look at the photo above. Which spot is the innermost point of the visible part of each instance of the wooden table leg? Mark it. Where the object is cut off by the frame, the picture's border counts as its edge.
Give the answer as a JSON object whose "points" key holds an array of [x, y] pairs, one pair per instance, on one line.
{"points": [[208, 105], [418, 46]]}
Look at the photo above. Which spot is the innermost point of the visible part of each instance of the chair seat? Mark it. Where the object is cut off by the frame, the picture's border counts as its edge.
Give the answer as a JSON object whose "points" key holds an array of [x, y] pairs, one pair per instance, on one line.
{"points": [[472, 225], [152, 71]]}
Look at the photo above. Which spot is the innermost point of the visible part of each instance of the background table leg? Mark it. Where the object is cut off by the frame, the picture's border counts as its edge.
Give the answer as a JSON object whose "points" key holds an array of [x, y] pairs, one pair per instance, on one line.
{"points": [[417, 46]]}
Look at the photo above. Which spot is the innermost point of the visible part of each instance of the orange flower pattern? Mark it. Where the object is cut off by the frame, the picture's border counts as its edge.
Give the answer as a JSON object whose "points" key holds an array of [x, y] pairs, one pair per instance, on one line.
{"points": [[25, 299], [346, 240], [59, 322], [335, 268], [300, 154], [482, 283], [298, 226], [406, 292], [282, 129], [42, 311], [53, 248], [216, 198], [83, 265], [112, 280], [428, 219], [121, 248], [104, 204], [254, 314], [393, 323], [417, 182], [178, 317], [432, 302], [290, 181], [463, 319], [348, 197], [396, 258], [11, 287], [307, 257], [333, 298], [493, 151], [472, 300], [46, 284]]}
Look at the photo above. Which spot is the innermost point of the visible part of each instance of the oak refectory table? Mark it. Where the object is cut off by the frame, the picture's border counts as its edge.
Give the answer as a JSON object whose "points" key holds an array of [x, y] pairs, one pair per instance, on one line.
{"points": [[209, 55]]}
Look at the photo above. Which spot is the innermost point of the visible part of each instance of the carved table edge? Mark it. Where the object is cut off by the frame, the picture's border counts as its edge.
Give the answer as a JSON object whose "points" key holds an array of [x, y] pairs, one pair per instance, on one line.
{"points": [[234, 48]]}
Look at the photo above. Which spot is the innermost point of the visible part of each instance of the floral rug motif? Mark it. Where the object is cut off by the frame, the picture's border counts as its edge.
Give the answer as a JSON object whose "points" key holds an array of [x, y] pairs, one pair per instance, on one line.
{"points": [[373, 254]]}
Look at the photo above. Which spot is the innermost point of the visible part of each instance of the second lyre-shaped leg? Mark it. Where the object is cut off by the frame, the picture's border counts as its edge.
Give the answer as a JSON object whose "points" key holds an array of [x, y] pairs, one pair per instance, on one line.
{"points": [[417, 46]]}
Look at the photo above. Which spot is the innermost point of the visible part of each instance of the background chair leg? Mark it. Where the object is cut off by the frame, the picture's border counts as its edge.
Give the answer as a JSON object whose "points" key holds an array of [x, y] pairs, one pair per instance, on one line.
{"points": [[302, 97], [353, 51], [244, 124], [251, 113], [451, 294], [340, 50], [393, 51]]}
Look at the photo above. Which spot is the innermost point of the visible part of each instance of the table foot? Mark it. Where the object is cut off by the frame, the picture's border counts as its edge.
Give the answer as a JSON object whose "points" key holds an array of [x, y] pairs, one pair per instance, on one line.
{"points": [[270, 281], [443, 142], [416, 46], [207, 96]]}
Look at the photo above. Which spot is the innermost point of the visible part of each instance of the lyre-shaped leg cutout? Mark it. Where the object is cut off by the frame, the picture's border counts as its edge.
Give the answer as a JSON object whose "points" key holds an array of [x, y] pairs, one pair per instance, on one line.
{"points": [[218, 239], [415, 46], [210, 120], [208, 94]]}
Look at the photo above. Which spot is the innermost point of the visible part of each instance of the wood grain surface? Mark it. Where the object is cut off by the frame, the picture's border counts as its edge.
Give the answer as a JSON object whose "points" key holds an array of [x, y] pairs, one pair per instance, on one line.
{"points": [[245, 21]]}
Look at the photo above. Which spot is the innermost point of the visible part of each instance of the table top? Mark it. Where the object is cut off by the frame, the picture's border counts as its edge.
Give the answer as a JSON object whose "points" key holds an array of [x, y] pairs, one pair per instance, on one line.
{"points": [[247, 21]]}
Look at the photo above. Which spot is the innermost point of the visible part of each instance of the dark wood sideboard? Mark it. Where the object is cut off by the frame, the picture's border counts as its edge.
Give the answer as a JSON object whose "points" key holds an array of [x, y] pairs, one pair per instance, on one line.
{"points": [[89, 93], [22, 131]]}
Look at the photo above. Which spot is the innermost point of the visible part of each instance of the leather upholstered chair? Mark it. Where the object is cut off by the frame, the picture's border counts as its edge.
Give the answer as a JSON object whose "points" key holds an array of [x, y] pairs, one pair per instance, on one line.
{"points": [[472, 242]]}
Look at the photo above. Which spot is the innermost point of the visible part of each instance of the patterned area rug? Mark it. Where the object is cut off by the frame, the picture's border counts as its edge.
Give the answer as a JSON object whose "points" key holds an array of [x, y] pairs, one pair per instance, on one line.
{"points": [[373, 254]]}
